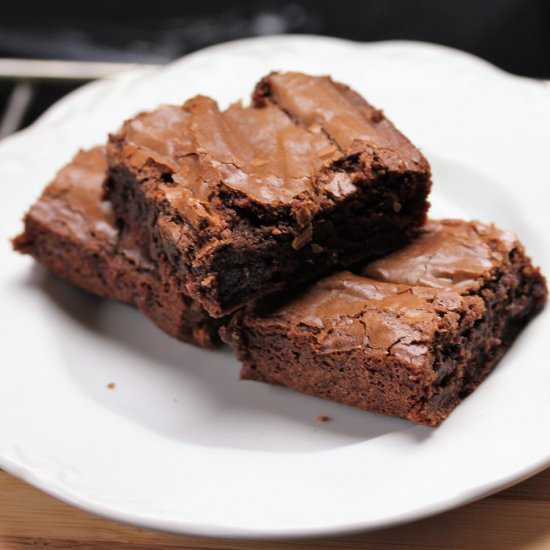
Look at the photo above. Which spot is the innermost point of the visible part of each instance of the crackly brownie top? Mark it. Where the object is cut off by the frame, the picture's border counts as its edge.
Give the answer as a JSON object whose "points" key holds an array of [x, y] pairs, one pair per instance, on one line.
{"points": [[73, 201], [347, 311], [286, 148], [342, 115], [73, 204], [448, 253]]}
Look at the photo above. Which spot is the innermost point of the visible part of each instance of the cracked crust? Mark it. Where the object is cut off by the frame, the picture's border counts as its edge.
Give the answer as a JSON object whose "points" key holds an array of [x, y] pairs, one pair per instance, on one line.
{"points": [[360, 342], [409, 335], [71, 231], [244, 202], [447, 253]]}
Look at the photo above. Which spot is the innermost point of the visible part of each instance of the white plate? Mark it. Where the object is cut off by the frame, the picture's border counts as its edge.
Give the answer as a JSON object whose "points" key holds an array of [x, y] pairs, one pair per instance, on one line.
{"points": [[181, 444]]}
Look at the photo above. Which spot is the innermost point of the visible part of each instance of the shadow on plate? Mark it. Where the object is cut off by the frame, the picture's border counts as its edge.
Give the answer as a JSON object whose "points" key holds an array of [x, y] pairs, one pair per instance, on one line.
{"points": [[189, 394]]}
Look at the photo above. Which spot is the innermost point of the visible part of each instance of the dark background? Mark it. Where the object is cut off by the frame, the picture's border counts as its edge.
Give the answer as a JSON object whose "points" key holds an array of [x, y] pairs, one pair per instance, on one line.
{"points": [[513, 34]]}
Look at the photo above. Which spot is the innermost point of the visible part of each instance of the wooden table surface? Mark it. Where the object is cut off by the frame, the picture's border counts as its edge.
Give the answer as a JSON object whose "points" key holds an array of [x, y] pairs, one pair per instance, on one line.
{"points": [[515, 519]]}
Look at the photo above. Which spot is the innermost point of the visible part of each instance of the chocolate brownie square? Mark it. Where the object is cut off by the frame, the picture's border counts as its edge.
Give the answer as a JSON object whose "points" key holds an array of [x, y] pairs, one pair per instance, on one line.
{"points": [[409, 335], [71, 231], [247, 201]]}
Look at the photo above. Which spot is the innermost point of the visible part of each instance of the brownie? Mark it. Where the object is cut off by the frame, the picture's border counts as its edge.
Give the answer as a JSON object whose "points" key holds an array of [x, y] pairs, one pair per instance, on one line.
{"points": [[71, 231], [409, 335], [243, 202]]}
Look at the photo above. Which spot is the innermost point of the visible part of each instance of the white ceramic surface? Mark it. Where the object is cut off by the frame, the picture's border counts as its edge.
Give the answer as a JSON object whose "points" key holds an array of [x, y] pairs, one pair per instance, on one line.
{"points": [[181, 444]]}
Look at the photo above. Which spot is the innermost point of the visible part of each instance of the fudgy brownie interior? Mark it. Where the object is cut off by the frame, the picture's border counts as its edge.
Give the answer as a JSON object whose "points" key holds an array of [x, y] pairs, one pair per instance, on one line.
{"points": [[244, 202]]}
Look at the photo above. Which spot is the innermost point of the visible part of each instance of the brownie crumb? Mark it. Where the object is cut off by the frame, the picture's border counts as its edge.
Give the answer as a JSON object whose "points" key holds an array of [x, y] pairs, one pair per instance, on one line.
{"points": [[111, 386], [323, 418]]}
